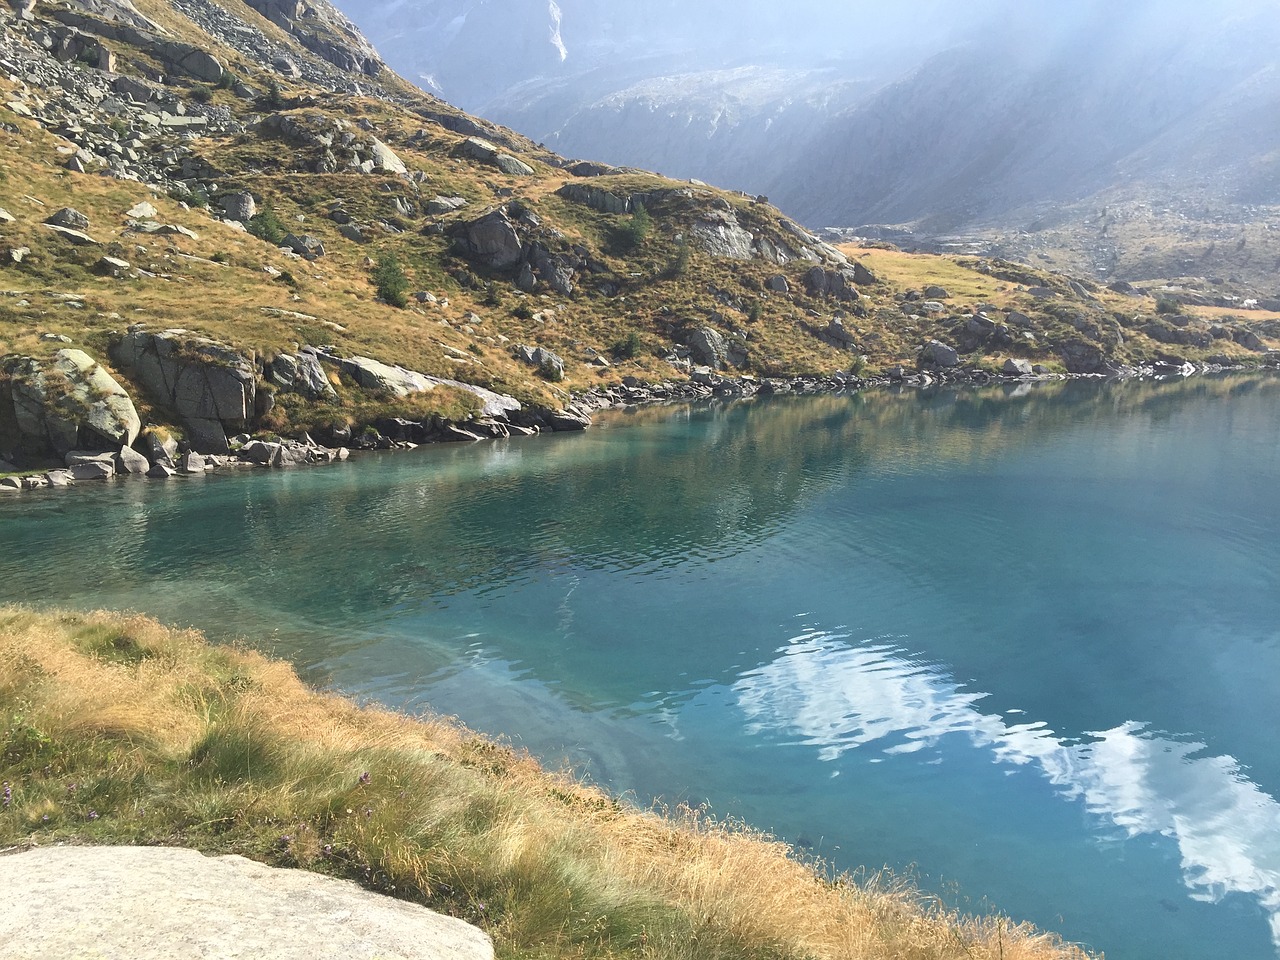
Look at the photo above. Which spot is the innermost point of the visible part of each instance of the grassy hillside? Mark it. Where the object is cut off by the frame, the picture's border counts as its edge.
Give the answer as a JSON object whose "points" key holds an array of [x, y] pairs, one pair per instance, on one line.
{"points": [[114, 729], [632, 292]]}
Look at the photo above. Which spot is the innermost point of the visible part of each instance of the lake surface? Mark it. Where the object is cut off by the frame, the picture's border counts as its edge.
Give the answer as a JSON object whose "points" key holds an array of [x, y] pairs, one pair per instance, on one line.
{"points": [[1024, 642]]}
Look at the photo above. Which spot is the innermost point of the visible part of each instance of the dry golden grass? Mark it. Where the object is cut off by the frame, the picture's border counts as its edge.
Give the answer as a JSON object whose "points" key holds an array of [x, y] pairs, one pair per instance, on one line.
{"points": [[117, 730]]}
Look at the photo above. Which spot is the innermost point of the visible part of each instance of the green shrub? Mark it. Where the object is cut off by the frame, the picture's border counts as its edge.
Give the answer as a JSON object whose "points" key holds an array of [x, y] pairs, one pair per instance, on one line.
{"points": [[201, 93], [390, 279], [266, 226], [273, 99], [631, 234], [679, 265], [1168, 305], [628, 348]]}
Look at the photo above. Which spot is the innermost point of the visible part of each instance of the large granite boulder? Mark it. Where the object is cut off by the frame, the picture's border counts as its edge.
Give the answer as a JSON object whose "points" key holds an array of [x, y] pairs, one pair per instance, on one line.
{"points": [[385, 159], [708, 348], [301, 374], [71, 402], [491, 240], [939, 354], [209, 385]]}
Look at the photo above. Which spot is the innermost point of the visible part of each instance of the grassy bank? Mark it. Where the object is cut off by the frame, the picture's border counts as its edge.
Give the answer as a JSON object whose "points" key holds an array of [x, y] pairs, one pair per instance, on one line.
{"points": [[118, 730]]}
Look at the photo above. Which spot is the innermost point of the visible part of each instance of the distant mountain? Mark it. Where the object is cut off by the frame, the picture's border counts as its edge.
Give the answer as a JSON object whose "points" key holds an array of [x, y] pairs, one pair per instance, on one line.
{"points": [[986, 122]]}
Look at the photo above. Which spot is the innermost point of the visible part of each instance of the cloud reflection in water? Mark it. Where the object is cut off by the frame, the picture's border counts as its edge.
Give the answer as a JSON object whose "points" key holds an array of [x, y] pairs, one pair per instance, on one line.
{"points": [[837, 696]]}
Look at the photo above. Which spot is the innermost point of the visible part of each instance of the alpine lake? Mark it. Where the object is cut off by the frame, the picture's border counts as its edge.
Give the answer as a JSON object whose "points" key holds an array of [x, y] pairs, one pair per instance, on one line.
{"points": [[1021, 643]]}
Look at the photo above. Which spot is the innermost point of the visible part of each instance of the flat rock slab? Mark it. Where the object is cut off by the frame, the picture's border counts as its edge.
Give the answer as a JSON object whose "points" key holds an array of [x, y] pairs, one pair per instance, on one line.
{"points": [[165, 903]]}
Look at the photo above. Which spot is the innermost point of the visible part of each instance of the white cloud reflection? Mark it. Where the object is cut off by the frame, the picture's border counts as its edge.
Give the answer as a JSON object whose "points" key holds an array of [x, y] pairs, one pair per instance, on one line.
{"points": [[837, 697]]}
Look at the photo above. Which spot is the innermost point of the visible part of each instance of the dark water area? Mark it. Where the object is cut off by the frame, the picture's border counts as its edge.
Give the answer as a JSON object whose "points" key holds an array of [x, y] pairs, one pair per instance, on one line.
{"points": [[1023, 642]]}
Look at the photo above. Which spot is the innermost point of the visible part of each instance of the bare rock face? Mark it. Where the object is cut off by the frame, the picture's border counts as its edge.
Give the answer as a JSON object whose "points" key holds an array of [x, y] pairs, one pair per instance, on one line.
{"points": [[209, 385], [163, 903], [492, 240], [71, 399], [721, 235]]}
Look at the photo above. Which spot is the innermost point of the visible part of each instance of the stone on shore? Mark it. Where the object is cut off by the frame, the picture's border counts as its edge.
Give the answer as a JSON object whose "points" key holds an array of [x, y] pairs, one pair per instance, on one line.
{"points": [[164, 903]]}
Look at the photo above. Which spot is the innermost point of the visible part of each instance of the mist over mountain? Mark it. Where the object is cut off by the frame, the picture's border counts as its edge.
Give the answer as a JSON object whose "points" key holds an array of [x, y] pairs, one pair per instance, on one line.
{"points": [[989, 118]]}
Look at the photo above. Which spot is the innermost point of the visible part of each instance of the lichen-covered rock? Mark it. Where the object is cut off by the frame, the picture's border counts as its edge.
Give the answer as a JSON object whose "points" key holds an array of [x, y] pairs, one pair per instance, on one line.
{"points": [[71, 402]]}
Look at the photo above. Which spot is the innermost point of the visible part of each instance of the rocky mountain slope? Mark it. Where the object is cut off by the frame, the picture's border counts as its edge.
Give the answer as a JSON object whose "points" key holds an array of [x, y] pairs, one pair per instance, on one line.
{"points": [[228, 229]]}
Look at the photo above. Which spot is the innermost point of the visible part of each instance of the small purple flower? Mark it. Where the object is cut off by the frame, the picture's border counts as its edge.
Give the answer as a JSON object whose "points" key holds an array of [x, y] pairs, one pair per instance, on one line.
{"points": [[7, 795], [45, 818], [368, 811], [91, 815], [365, 778]]}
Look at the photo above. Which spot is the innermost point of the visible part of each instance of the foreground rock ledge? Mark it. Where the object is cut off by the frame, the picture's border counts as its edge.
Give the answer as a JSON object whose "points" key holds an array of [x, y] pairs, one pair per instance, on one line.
{"points": [[148, 903]]}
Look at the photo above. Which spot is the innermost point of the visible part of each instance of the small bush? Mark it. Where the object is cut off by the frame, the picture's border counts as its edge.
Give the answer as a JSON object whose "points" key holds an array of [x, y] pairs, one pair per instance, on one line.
{"points": [[522, 311], [201, 93], [551, 371], [273, 99], [679, 265], [628, 348], [1168, 305], [266, 226], [389, 278], [492, 296], [633, 233]]}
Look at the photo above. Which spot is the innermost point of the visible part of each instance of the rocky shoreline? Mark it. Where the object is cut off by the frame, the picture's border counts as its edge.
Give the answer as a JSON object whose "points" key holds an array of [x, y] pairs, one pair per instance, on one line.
{"points": [[167, 460]]}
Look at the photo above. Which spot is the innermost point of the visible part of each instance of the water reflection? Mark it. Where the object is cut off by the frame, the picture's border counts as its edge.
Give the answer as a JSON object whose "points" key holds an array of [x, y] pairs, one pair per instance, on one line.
{"points": [[838, 696]]}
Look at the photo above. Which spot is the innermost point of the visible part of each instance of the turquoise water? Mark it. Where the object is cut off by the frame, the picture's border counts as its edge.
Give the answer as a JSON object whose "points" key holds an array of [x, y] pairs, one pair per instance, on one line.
{"points": [[1024, 642]]}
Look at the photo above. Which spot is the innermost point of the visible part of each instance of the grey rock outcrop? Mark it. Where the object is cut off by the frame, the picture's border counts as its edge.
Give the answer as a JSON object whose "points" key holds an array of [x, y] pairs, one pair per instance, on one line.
{"points": [[130, 461], [210, 386], [477, 148], [1017, 368], [70, 400], [440, 205], [301, 374], [837, 284], [385, 159], [708, 348], [491, 240], [238, 206], [597, 198], [543, 359], [720, 234], [68, 217], [387, 378], [305, 246], [938, 354]]}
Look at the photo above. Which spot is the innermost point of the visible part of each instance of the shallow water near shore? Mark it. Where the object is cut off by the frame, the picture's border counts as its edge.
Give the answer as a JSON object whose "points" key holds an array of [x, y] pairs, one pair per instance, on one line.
{"points": [[1024, 641]]}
